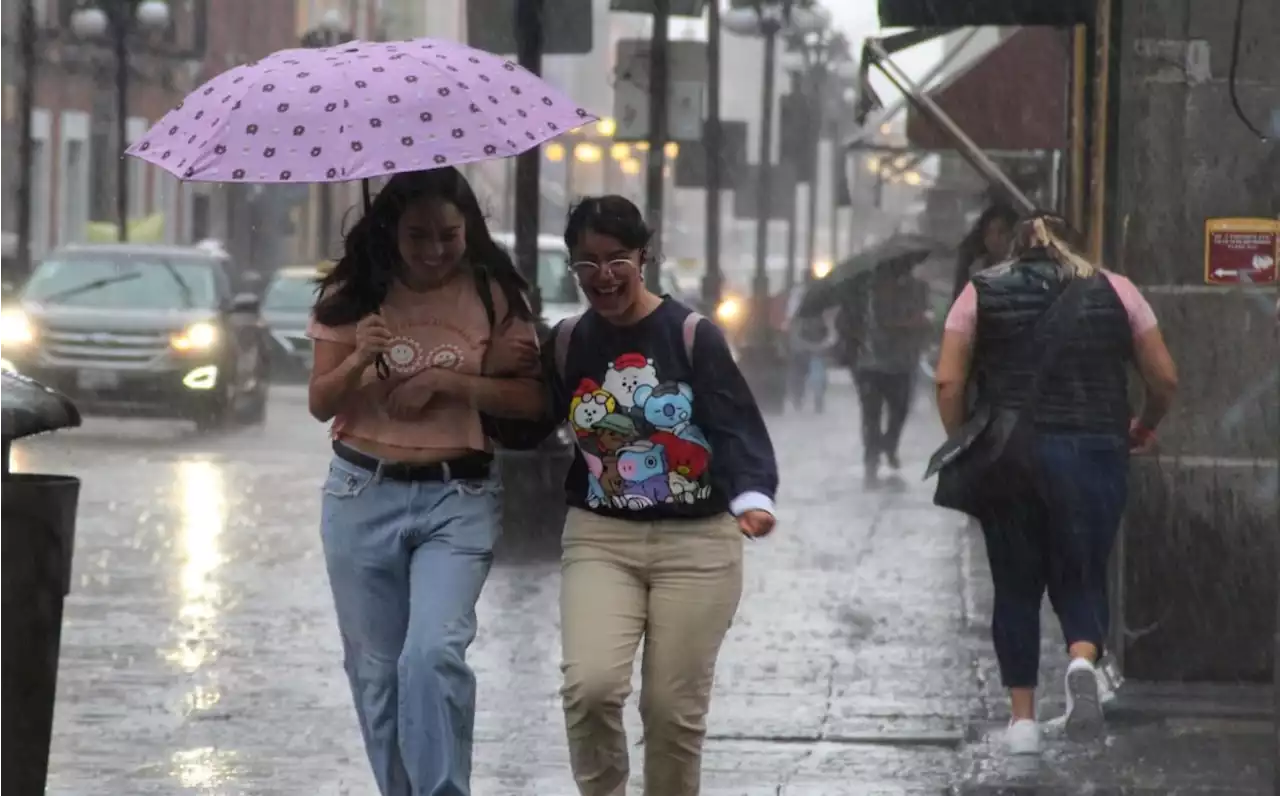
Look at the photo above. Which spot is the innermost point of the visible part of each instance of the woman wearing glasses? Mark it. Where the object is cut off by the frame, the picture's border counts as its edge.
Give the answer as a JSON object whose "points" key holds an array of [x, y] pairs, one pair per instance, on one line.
{"points": [[674, 466]]}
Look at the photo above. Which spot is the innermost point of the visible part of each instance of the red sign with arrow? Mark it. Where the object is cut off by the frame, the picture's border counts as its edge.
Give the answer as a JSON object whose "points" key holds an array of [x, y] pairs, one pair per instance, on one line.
{"points": [[1241, 251]]}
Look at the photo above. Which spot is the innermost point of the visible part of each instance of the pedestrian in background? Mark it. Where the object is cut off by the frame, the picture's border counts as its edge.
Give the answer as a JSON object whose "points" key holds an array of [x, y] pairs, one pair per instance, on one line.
{"points": [[986, 244], [811, 342], [673, 467], [405, 359], [894, 319], [1053, 526]]}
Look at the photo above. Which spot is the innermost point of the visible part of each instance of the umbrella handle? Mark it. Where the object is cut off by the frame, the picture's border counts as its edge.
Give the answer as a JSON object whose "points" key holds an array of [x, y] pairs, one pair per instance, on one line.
{"points": [[364, 190]]}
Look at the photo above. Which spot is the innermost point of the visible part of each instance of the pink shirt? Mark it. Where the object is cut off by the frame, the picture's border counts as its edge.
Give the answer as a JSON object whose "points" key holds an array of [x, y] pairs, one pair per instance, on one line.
{"points": [[963, 317], [442, 328]]}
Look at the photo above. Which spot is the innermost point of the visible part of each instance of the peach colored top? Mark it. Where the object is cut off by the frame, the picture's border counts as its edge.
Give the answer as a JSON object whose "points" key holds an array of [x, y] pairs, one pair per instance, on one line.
{"points": [[446, 327]]}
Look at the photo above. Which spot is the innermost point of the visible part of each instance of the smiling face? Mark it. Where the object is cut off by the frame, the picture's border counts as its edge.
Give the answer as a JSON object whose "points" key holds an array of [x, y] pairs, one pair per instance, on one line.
{"points": [[431, 236], [609, 273]]}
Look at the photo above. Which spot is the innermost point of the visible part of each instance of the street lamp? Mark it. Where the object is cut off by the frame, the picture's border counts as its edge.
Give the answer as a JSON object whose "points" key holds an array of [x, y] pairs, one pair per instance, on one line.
{"points": [[815, 58], [760, 357], [120, 19]]}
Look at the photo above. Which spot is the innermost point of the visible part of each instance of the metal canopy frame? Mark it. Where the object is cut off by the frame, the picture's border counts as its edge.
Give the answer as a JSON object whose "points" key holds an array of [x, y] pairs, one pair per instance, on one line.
{"points": [[877, 52]]}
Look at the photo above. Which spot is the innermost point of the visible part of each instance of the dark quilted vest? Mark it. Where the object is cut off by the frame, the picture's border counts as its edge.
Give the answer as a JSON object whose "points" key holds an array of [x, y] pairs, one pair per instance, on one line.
{"points": [[1086, 390]]}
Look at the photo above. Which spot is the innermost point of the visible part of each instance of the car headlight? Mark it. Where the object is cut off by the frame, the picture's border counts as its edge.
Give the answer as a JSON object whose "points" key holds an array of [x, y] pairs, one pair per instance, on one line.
{"points": [[729, 310], [16, 328], [196, 337]]}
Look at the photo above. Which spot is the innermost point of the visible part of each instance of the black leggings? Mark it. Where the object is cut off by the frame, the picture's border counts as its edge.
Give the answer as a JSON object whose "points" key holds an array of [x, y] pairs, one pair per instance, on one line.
{"points": [[1056, 541], [878, 392]]}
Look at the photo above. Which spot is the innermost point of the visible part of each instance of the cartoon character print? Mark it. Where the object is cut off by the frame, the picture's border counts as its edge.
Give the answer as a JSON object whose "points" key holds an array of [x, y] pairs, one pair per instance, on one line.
{"points": [[589, 406], [643, 467], [404, 355], [638, 438], [669, 409], [610, 434], [626, 374], [445, 356]]}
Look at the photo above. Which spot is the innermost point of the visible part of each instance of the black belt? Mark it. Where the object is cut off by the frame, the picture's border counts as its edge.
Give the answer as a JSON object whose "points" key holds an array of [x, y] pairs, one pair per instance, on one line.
{"points": [[472, 467]]}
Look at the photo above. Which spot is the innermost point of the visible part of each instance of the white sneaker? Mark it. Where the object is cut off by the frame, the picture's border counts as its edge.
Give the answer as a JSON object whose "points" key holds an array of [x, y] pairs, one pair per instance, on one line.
{"points": [[1084, 719], [1023, 737]]}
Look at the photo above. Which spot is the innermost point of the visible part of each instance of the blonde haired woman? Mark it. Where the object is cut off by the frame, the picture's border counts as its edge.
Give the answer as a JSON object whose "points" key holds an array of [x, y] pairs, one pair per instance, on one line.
{"points": [[1054, 532]]}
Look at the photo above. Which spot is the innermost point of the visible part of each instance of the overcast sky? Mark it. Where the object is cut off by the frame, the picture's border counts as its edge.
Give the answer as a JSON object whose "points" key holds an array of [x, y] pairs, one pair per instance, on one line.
{"points": [[859, 19]]}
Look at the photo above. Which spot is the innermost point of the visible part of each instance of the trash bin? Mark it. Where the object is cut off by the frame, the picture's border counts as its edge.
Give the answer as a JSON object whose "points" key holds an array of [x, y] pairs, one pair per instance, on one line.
{"points": [[37, 540]]}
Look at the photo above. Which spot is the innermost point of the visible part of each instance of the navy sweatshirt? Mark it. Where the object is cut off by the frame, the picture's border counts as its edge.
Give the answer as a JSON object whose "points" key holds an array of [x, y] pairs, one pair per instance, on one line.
{"points": [[660, 437]]}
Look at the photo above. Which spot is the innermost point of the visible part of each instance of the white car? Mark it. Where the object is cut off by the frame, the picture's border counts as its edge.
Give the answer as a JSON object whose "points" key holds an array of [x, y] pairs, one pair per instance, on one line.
{"points": [[561, 296]]}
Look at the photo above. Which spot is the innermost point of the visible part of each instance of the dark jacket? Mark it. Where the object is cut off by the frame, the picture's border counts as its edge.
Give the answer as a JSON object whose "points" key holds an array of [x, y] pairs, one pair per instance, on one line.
{"points": [[660, 437], [1086, 389]]}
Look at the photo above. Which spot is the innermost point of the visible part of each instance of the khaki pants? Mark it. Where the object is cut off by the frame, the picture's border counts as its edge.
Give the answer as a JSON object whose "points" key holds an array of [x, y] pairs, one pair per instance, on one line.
{"points": [[677, 585]]}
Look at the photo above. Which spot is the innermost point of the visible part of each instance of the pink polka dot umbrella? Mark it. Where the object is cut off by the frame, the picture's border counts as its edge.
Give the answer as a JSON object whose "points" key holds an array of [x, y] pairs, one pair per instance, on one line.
{"points": [[355, 111]]}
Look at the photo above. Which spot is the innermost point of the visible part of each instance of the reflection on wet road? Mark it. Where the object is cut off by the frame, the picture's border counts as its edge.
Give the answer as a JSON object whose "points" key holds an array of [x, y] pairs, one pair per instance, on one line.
{"points": [[200, 653]]}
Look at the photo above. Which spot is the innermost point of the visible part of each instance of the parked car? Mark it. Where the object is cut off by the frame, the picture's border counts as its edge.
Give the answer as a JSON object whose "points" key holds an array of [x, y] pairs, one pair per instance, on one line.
{"points": [[561, 296], [142, 331], [286, 307]]}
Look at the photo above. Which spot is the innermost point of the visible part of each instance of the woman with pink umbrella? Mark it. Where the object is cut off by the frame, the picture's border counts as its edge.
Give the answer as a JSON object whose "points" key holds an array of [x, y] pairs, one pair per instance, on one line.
{"points": [[423, 344]]}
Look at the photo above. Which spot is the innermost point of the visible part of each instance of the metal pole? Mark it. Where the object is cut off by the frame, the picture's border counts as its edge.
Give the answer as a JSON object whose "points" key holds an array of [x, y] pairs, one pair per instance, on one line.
{"points": [[711, 280], [529, 164], [816, 119], [760, 284], [965, 145], [26, 146], [655, 182], [792, 236], [120, 32]]}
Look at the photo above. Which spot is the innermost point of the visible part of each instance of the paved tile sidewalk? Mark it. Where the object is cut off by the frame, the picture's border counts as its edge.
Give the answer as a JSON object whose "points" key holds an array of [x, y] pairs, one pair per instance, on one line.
{"points": [[1173, 739]]}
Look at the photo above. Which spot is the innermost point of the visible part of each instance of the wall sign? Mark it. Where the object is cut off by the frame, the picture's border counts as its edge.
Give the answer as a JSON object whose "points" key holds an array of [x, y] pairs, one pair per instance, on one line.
{"points": [[1241, 250]]}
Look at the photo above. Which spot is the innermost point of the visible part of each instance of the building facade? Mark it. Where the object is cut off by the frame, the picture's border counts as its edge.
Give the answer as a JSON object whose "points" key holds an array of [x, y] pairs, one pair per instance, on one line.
{"points": [[73, 121]]}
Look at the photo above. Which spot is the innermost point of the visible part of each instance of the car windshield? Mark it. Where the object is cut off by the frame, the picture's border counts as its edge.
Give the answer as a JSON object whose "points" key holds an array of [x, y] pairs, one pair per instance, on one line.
{"points": [[291, 293], [132, 283]]}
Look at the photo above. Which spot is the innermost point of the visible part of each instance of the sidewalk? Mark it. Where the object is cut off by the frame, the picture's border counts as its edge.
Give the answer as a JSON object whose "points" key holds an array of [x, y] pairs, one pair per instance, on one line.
{"points": [[1162, 739], [844, 673]]}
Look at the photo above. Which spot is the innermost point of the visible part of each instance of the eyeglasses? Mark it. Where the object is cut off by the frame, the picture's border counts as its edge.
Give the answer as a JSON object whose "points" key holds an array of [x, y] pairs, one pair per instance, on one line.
{"points": [[585, 269]]}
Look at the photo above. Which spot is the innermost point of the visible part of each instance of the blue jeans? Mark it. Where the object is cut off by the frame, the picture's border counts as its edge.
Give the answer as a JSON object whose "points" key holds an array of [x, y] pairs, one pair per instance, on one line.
{"points": [[808, 372], [407, 561], [1058, 539]]}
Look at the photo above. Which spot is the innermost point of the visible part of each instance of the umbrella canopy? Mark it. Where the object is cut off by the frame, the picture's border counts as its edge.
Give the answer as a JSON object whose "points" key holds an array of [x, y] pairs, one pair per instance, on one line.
{"points": [[357, 110], [906, 249]]}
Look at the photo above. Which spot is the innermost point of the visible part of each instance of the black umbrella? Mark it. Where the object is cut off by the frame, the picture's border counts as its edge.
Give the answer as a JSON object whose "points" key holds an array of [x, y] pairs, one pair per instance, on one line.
{"points": [[902, 249]]}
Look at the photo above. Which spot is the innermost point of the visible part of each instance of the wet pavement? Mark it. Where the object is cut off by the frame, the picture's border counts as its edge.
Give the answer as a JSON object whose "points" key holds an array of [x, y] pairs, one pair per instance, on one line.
{"points": [[200, 653], [1161, 739]]}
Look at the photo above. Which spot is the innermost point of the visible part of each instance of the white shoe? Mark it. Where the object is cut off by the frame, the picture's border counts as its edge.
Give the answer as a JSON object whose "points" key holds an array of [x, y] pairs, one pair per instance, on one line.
{"points": [[1023, 737], [1084, 719]]}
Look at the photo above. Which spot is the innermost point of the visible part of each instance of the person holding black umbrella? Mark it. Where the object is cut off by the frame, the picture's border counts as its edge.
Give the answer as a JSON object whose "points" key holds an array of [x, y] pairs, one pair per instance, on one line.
{"points": [[891, 307]]}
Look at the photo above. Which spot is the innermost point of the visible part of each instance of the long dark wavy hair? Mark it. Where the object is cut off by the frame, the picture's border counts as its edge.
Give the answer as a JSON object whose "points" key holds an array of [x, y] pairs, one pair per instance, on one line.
{"points": [[612, 215], [358, 284]]}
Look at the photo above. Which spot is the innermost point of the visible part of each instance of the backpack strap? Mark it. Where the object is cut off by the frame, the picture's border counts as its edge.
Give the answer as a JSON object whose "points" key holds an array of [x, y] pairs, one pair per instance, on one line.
{"points": [[690, 333], [564, 333]]}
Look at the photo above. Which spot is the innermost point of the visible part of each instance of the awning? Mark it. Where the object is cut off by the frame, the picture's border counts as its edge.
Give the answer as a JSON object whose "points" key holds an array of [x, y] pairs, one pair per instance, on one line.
{"points": [[948, 13], [1013, 99]]}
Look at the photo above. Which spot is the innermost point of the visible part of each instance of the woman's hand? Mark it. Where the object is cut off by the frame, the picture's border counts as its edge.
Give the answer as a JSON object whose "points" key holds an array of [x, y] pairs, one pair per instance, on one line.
{"points": [[756, 523], [407, 399], [373, 338], [1141, 438], [511, 355]]}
